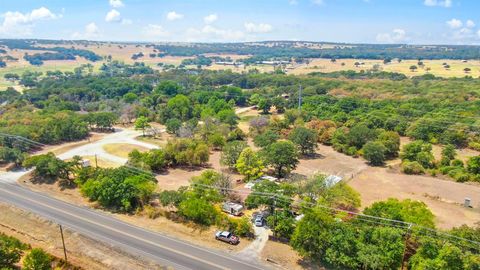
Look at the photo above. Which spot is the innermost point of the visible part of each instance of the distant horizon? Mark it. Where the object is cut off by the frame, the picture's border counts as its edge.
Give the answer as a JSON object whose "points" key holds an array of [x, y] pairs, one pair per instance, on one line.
{"points": [[239, 42]]}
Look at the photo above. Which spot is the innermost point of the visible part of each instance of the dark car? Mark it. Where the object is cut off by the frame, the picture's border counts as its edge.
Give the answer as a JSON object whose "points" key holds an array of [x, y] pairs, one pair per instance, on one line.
{"points": [[227, 237]]}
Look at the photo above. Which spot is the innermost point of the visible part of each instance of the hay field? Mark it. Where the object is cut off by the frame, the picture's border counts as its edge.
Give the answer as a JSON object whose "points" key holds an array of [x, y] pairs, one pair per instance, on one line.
{"points": [[434, 67]]}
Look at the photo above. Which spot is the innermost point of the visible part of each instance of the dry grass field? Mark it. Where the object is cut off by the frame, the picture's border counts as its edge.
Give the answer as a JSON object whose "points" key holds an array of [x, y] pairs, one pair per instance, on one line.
{"points": [[122, 150], [434, 67], [124, 52]]}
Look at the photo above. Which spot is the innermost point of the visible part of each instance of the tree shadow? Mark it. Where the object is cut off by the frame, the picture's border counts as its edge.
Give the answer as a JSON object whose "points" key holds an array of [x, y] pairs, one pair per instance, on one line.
{"points": [[313, 156]]}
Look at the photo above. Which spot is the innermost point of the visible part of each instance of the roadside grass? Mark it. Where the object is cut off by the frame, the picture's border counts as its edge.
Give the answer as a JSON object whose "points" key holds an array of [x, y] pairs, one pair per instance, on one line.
{"points": [[122, 149], [102, 163]]}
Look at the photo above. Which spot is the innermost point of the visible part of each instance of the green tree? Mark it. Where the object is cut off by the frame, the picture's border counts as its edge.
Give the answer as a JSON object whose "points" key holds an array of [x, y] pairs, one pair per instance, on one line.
{"points": [[282, 156], [374, 152], [250, 164], [11, 250], [359, 135], [305, 139], [173, 125], [311, 237], [407, 210], [381, 248], [257, 197], [48, 167], [37, 259], [282, 223], [198, 210], [142, 123], [264, 105], [217, 141], [118, 189], [391, 140], [228, 116], [266, 138], [448, 154], [231, 152], [473, 165], [169, 88]]}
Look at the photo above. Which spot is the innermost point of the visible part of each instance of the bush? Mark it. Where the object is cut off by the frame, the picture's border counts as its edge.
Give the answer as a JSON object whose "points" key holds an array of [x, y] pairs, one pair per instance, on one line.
{"points": [[239, 226], [375, 153], [198, 210], [474, 145], [412, 167], [10, 251], [457, 163], [459, 174], [37, 259], [351, 151]]}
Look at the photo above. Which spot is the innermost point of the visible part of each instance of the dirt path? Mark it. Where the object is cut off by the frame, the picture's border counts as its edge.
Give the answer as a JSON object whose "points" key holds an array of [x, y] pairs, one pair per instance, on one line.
{"points": [[255, 248]]}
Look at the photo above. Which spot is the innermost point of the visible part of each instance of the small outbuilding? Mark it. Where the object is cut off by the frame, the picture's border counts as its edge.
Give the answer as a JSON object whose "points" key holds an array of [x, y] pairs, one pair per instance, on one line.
{"points": [[232, 208]]}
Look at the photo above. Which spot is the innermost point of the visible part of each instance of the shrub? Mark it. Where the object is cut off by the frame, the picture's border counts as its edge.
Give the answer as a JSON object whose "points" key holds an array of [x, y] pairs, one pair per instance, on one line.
{"points": [[457, 163], [198, 210], [351, 151], [474, 145], [375, 153], [37, 259], [240, 226], [412, 167], [10, 251], [459, 174]]}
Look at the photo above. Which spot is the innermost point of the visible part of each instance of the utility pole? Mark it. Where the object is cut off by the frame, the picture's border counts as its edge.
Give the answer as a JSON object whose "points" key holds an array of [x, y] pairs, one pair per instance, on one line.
{"points": [[63, 243], [407, 237], [274, 216], [300, 98]]}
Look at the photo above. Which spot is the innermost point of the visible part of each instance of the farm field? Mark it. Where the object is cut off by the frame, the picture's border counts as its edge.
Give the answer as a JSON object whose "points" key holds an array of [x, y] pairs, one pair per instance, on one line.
{"points": [[434, 67]]}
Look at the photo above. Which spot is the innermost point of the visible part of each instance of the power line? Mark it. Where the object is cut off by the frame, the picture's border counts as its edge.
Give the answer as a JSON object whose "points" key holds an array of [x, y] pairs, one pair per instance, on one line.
{"points": [[367, 218]]}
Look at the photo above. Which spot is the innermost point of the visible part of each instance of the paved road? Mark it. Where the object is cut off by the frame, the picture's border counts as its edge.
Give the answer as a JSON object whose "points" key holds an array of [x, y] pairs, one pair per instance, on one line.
{"points": [[163, 249], [120, 136]]}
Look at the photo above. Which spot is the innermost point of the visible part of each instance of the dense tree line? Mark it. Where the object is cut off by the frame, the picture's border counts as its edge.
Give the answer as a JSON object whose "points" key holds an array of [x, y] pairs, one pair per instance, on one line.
{"points": [[270, 50]]}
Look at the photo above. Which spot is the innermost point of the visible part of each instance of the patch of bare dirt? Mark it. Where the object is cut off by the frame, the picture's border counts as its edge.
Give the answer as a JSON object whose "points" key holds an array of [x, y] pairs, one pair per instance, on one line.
{"points": [[82, 251], [444, 198], [328, 161], [283, 256]]}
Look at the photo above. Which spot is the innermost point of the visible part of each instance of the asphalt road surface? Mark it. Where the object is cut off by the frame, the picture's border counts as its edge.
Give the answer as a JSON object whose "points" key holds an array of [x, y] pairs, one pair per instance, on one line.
{"points": [[165, 250]]}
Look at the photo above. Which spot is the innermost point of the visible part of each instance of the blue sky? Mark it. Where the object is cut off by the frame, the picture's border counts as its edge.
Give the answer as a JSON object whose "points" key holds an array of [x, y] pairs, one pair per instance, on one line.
{"points": [[358, 21]]}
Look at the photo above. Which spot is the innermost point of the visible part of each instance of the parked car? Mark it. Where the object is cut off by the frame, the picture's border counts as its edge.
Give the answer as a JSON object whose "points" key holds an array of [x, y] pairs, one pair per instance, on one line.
{"points": [[227, 237], [259, 221]]}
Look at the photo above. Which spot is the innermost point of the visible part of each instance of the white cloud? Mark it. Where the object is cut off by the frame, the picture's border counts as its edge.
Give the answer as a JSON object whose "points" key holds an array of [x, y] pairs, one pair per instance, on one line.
{"points": [[454, 23], [293, 2], [210, 18], [126, 21], [19, 24], [258, 28], [91, 31], [113, 16], [396, 36], [155, 31], [211, 33], [318, 2], [478, 33], [470, 24], [116, 3], [172, 15], [438, 3]]}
